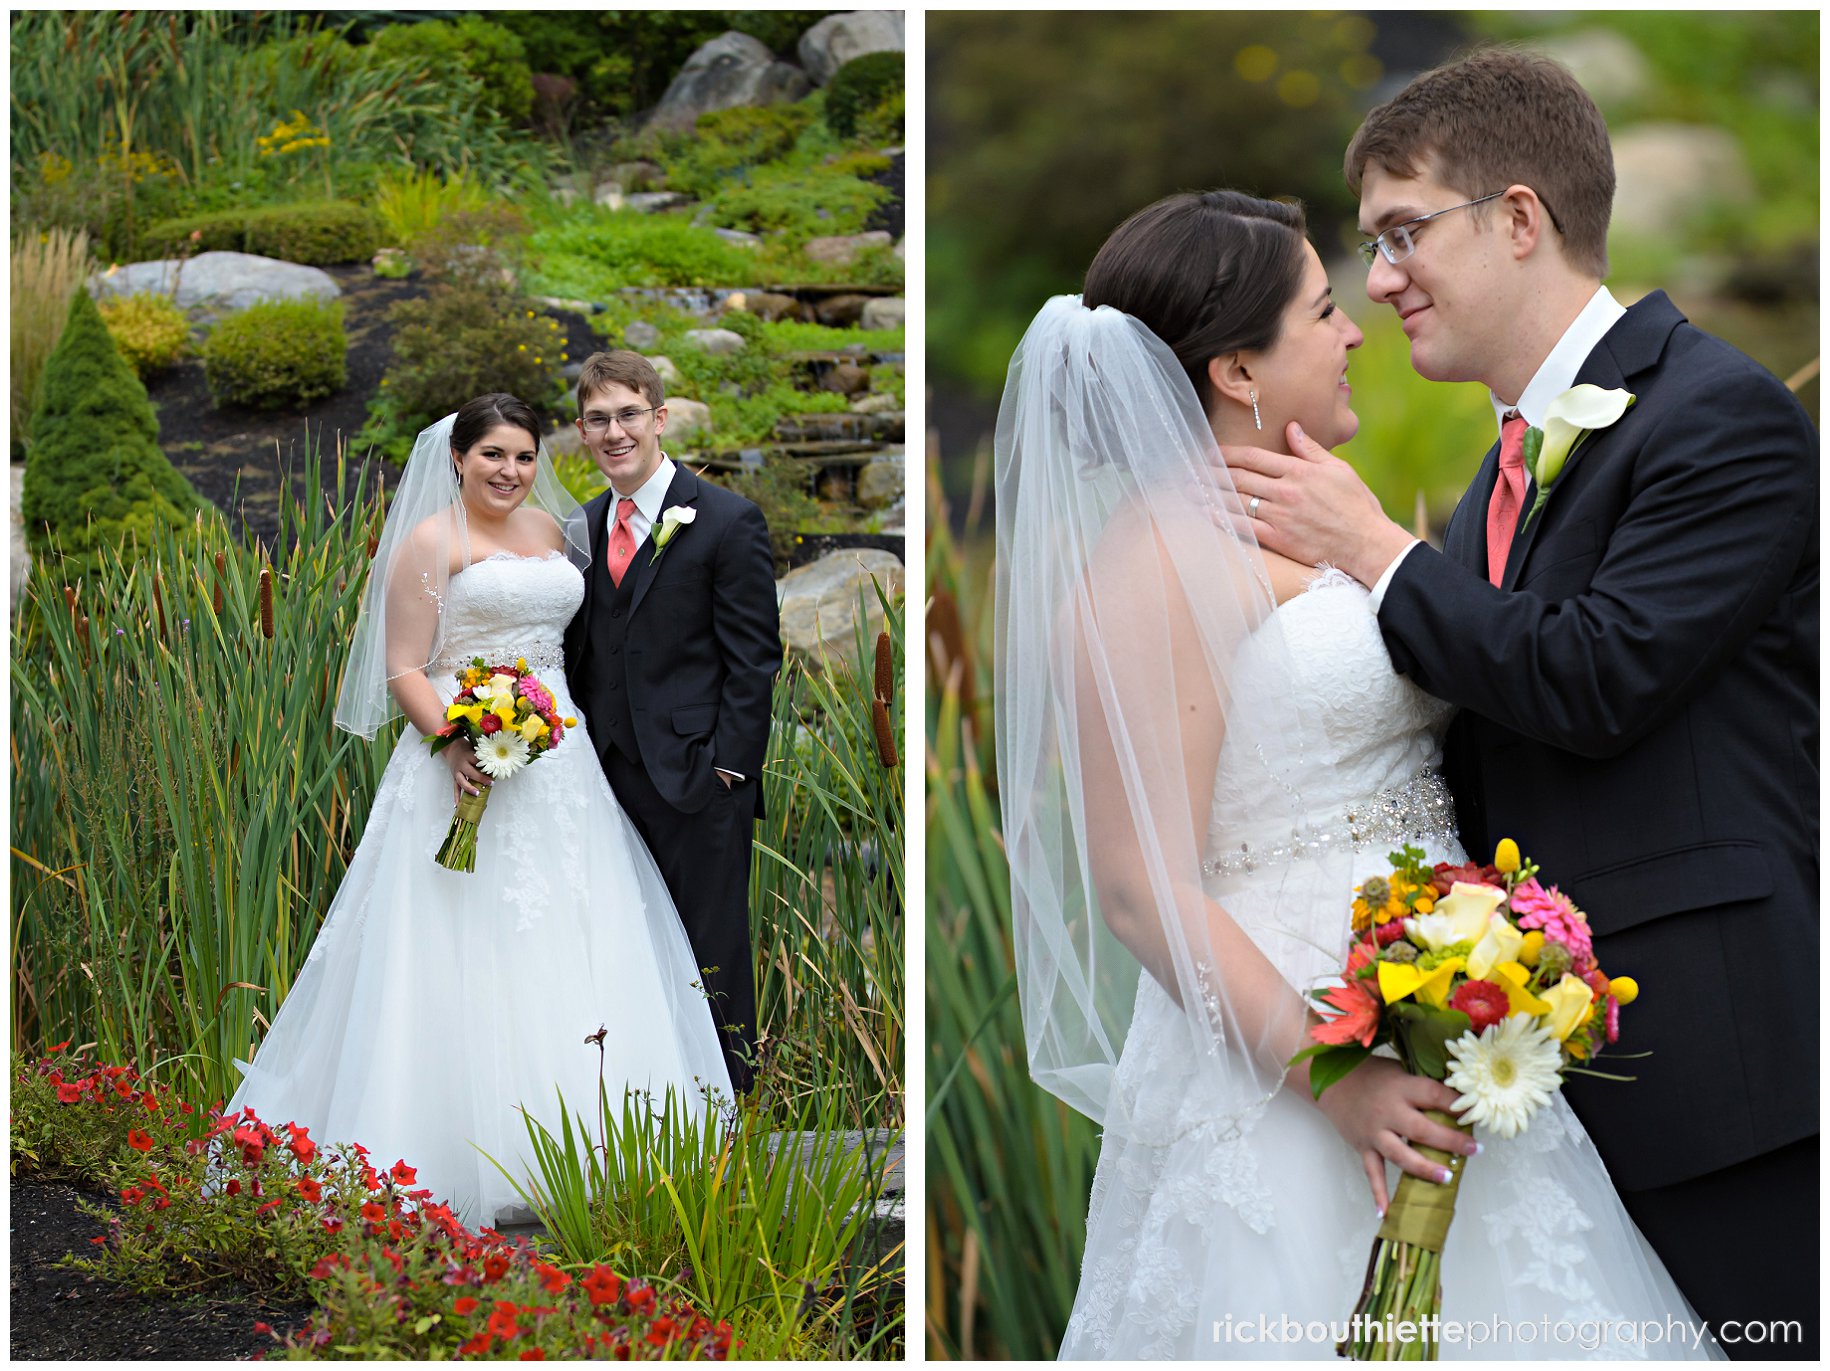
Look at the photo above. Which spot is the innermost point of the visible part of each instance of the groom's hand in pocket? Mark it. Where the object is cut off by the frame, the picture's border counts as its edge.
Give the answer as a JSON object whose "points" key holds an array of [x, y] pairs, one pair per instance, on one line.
{"points": [[1311, 507]]}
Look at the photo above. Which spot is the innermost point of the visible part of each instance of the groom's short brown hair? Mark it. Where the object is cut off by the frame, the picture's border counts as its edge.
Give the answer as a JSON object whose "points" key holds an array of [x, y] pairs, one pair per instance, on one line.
{"points": [[1497, 118], [620, 368]]}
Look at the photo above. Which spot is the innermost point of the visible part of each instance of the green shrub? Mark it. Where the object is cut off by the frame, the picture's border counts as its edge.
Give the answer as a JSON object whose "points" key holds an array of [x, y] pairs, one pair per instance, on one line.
{"points": [[781, 489], [591, 254], [283, 352], [46, 268], [315, 233], [884, 124], [413, 204], [859, 87], [95, 473], [798, 203], [150, 330], [724, 142], [470, 44], [462, 341]]}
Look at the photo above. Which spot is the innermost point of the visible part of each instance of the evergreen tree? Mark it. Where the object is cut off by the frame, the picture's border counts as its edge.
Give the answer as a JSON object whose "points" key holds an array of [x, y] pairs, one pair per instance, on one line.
{"points": [[94, 474]]}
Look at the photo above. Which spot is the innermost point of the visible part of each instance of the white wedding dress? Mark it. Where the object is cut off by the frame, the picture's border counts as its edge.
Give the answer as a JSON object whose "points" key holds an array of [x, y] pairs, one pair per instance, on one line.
{"points": [[1197, 1226], [435, 1002]]}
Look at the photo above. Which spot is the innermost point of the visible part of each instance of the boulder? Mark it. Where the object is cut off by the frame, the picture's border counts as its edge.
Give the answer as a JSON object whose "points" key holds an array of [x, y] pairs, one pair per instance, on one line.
{"points": [[839, 38], [880, 483], [632, 176], [22, 560], [641, 335], [221, 282], [664, 368], [654, 201], [840, 311], [1668, 173], [687, 416], [770, 306], [733, 69], [720, 342], [876, 404], [738, 237], [1609, 67], [845, 378], [566, 441], [885, 313], [820, 601], [842, 251], [610, 196]]}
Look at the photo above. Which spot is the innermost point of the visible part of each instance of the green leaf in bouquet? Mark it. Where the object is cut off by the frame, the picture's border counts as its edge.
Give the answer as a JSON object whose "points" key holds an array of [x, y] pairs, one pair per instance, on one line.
{"points": [[1329, 1063], [1424, 1033]]}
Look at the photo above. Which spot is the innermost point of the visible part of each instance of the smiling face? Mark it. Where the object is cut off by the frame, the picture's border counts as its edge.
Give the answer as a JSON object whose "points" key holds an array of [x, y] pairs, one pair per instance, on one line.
{"points": [[497, 472], [1303, 376], [628, 449], [1453, 293]]}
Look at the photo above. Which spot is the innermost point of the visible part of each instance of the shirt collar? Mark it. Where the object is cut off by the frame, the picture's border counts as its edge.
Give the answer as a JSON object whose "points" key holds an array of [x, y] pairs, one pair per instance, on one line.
{"points": [[1557, 373], [652, 493]]}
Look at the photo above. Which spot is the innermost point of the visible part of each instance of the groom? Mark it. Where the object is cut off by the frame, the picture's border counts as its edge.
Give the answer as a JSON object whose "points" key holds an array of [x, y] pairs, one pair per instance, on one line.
{"points": [[671, 657], [1636, 663]]}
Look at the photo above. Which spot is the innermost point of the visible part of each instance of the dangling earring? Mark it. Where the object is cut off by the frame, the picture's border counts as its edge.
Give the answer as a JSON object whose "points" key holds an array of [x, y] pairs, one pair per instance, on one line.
{"points": [[1257, 423]]}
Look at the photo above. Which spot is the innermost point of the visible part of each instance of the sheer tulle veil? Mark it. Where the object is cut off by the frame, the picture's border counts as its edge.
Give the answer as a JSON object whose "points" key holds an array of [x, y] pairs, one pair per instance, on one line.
{"points": [[1125, 599], [426, 539]]}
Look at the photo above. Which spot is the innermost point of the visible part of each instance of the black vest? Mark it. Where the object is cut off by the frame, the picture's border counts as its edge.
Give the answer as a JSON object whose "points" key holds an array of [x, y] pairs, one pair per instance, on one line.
{"points": [[607, 709]]}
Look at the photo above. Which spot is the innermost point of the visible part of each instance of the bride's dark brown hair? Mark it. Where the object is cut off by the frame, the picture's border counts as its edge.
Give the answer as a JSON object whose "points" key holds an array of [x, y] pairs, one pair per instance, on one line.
{"points": [[1208, 274]]}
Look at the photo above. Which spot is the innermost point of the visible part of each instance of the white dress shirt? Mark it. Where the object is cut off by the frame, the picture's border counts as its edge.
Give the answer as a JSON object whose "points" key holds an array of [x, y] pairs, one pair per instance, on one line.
{"points": [[1555, 374]]}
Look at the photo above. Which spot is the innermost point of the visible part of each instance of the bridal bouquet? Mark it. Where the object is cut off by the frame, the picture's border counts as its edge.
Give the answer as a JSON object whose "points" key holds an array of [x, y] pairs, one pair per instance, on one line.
{"points": [[1484, 979], [510, 720]]}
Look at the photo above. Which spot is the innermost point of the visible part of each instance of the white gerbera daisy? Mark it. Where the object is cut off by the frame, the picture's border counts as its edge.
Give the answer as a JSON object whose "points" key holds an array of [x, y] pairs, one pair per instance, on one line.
{"points": [[502, 754], [1505, 1074]]}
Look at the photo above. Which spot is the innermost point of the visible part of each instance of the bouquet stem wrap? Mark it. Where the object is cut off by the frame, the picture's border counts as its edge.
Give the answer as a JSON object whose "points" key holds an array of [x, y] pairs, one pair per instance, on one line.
{"points": [[1404, 1274], [459, 852]]}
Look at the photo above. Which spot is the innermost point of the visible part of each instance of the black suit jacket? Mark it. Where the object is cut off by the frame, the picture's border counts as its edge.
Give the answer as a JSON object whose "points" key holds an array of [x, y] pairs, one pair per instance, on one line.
{"points": [[704, 641], [1640, 713]]}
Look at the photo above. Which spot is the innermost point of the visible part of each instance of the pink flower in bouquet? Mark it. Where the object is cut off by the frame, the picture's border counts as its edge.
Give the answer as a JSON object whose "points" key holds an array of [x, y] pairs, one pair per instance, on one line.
{"points": [[535, 694], [1553, 912], [1389, 933]]}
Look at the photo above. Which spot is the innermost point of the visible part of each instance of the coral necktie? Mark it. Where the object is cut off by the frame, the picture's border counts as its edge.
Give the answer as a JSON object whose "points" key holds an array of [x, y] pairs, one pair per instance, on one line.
{"points": [[1508, 496], [622, 541]]}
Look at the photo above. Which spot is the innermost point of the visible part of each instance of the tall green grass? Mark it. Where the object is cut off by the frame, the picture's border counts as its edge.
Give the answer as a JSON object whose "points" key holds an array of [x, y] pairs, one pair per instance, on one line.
{"points": [[183, 808], [1009, 1167], [46, 267], [827, 887]]}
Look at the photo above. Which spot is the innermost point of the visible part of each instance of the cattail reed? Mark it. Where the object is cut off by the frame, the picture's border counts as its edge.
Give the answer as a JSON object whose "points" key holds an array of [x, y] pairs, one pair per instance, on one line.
{"points": [[70, 601], [886, 737], [886, 669], [267, 602], [216, 590], [947, 645], [159, 605], [374, 543], [82, 637]]}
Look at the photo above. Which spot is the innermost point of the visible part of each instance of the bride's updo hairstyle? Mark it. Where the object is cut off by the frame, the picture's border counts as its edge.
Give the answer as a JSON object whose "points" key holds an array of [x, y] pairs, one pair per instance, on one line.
{"points": [[478, 416], [1208, 274]]}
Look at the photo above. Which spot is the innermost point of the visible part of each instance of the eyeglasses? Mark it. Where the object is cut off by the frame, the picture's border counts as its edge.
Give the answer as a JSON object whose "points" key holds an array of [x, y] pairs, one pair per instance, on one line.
{"points": [[1396, 243], [627, 418]]}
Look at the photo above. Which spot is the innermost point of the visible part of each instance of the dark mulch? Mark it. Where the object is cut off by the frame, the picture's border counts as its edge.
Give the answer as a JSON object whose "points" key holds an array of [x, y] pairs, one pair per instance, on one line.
{"points": [[62, 1315], [234, 456]]}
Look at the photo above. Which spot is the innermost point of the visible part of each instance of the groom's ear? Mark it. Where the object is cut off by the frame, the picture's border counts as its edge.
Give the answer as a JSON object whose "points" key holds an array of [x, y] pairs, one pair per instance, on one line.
{"points": [[660, 418], [1231, 376]]}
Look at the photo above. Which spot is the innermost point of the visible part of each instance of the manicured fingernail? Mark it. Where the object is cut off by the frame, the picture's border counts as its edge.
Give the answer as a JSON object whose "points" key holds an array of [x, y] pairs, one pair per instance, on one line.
{"points": [[1445, 1175], [1473, 1149]]}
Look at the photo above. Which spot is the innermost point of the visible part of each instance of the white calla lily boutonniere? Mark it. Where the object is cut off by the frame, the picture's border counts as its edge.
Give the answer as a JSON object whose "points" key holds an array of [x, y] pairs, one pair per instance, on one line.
{"points": [[673, 519], [1570, 418]]}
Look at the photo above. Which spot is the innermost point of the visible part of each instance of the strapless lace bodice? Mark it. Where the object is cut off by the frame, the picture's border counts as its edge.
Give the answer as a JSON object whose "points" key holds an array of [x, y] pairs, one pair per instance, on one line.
{"points": [[1322, 734], [507, 606]]}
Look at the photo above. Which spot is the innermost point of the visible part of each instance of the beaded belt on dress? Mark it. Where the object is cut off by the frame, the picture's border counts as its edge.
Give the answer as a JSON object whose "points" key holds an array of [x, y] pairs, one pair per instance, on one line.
{"points": [[539, 658], [1419, 811]]}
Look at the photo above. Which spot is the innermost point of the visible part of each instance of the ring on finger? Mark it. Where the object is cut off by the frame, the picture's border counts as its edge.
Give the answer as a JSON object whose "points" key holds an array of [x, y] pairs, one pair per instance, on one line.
{"points": [[1251, 509]]}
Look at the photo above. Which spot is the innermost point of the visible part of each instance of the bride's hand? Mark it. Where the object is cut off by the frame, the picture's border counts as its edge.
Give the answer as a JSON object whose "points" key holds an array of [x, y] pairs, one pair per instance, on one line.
{"points": [[467, 777], [1378, 1108]]}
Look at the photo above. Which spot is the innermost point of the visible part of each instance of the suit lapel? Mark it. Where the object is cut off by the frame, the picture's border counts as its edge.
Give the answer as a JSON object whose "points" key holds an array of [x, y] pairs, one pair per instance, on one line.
{"points": [[1465, 541], [682, 490], [1631, 346], [596, 516]]}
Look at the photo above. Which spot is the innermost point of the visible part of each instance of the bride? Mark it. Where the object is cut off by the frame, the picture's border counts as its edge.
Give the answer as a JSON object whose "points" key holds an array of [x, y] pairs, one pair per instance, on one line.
{"points": [[1202, 748], [435, 1005]]}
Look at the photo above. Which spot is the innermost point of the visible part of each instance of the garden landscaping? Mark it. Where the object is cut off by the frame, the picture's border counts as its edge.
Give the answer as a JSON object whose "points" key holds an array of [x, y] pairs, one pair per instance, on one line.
{"points": [[223, 344]]}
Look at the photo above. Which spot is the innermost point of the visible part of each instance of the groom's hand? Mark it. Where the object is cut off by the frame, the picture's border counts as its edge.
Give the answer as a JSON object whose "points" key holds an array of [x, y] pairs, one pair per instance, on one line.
{"points": [[1313, 507]]}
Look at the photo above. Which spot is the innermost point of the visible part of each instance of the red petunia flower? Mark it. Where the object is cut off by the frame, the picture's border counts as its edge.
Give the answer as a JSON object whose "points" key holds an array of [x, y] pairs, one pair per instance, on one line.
{"points": [[465, 1305], [132, 1195], [69, 1094], [1483, 1002], [502, 1322], [309, 1189], [603, 1285], [402, 1174], [641, 1297], [151, 1101], [124, 1088], [302, 1146], [473, 1346], [58, 1047], [374, 1213], [328, 1266], [233, 1187], [552, 1278], [269, 1207], [139, 1141], [495, 1266], [332, 1225], [533, 1354]]}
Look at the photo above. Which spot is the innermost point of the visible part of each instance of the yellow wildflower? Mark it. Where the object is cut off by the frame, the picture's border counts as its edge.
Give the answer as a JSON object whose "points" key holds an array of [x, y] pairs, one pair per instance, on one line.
{"points": [[1506, 856], [1624, 989]]}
